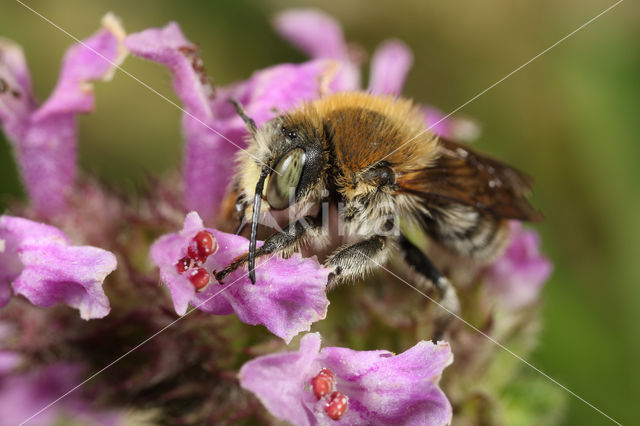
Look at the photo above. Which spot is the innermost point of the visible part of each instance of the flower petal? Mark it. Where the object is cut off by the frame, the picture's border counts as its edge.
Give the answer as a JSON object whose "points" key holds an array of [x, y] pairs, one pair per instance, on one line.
{"points": [[278, 380], [289, 294], [165, 253], [206, 163], [320, 36], [16, 98], [518, 275], [93, 59], [436, 121], [388, 389], [45, 141], [277, 89], [47, 270], [171, 48], [389, 67], [314, 32]]}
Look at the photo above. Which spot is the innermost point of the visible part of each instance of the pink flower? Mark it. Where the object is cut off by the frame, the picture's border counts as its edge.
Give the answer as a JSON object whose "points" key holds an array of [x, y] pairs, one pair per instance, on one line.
{"points": [[289, 294], [44, 137], [374, 387], [517, 277], [38, 261]]}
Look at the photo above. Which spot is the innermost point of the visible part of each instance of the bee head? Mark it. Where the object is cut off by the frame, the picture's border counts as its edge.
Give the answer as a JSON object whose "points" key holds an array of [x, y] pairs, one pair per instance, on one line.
{"points": [[291, 151], [297, 162]]}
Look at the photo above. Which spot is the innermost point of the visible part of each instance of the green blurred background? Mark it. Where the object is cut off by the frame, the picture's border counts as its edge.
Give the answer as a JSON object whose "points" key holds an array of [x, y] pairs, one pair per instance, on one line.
{"points": [[570, 119]]}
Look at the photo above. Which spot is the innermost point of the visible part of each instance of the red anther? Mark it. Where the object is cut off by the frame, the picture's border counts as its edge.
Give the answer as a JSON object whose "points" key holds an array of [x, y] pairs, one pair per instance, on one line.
{"points": [[193, 253], [337, 405], [327, 373], [184, 264], [204, 245], [323, 383], [199, 277]]}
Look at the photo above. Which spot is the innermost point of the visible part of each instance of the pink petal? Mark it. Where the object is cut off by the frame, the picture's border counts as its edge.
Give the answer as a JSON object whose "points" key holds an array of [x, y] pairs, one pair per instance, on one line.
{"points": [[436, 121], [165, 253], [171, 48], [16, 98], [41, 265], [389, 68], [392, 389], [519, 274], [94, 59], [320, 36], [314, 32], [279, 380]]}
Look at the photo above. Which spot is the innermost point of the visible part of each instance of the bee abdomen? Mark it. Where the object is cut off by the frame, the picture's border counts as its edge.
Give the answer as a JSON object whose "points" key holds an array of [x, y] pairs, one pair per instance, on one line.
{"points": [[466, 231]]}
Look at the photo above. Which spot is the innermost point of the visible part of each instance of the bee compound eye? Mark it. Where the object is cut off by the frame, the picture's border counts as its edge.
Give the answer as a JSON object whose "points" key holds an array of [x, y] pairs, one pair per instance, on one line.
{"points": [[284, 179]]}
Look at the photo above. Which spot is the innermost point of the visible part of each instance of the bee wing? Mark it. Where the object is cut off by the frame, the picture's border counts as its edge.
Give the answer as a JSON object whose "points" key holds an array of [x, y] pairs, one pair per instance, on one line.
{"points": [[464, 176]]}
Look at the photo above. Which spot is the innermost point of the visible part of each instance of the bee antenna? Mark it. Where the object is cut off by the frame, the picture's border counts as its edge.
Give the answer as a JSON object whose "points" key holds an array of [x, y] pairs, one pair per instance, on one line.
{"points": [[257, 200], [248, 121]]}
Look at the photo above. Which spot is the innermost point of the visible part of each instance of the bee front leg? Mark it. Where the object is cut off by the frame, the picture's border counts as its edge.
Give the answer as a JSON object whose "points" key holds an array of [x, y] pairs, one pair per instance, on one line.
{"points": [[447, 296], [288, 238]]}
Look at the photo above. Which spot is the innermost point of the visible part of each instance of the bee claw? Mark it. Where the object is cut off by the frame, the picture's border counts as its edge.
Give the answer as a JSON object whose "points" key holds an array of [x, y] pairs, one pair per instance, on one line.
{"points": [[333, 275], [219, 276]]}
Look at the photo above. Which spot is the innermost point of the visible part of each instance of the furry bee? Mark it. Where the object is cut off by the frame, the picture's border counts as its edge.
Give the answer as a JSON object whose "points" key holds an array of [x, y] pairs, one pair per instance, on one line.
{"points": [[371, 156]]}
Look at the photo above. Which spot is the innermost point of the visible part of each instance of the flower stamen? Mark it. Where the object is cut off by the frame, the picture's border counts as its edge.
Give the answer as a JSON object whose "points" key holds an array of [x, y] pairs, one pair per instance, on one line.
{"points": [[199, 277], [337, 405], [184, 264], [203, 245], [323, 383]]}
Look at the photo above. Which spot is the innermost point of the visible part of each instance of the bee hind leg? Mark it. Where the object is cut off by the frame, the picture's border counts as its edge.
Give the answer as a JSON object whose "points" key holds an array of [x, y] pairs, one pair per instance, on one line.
{"points": [[449, 306]]}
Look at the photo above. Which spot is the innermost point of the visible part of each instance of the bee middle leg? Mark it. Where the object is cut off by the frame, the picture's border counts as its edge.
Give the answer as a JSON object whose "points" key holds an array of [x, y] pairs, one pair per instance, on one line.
{"points": [[357, 259], [447, 296], [290, 237]]}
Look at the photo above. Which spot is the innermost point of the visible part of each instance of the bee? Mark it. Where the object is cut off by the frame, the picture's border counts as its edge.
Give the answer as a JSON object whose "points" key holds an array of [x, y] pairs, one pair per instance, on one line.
{"points": [[371, 159]]}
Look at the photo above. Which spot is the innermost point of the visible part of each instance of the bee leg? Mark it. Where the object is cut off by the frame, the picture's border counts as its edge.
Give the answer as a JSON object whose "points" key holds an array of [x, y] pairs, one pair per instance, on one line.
{"points": [[357, 259], [289, 237], [447, 296]]}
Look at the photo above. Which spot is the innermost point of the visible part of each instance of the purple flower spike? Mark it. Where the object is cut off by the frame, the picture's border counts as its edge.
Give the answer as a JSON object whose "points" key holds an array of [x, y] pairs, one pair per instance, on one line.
{"points": [[517, 277], [289, 294], [37, 260], [390, 65], [380, 387], [213, 130], [44, 138]]}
